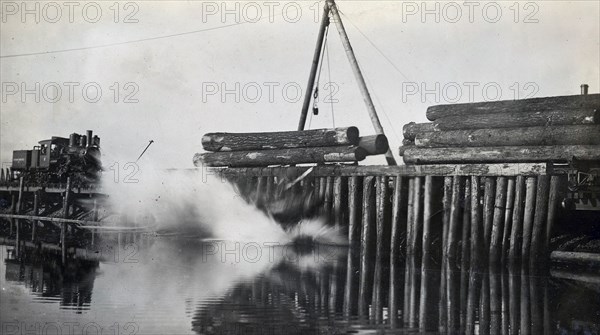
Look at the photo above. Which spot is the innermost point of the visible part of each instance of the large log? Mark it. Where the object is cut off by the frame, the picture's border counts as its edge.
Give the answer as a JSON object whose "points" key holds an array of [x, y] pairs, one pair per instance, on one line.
{"points": [[508, 106], [411, 129], [517, 120], [375, 144], [510, 154], [280, 140], [281, 156], [553, 135]]}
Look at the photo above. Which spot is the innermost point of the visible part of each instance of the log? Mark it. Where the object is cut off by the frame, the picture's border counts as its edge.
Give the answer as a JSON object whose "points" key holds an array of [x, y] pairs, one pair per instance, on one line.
{"points": [[510, 199], [426, 254], [498, 221], [375, 144], [553, 135], [511, 154], [518, 119], [410, 130], [507, 106], [577, 258], [538, 234], [280, 140], [281, 156], [395, 248], [365, 239]]}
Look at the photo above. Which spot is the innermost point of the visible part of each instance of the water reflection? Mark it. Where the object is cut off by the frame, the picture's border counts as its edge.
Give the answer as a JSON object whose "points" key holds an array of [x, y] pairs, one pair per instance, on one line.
{"points": [[218, 287]]}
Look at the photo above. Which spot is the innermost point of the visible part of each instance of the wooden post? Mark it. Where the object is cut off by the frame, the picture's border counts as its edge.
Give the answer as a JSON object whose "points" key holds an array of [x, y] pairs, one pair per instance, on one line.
{"points": [[474, 276], [446, 204], [376, 300], [517, 219], [407, 274], [329, 198], [528, 215], [555, 182], [540, 218], [315, 65], [359, 77], [395, 249], [416, 233], [497, 221], [337, 201], [63, 225], [426, 254], [260, 185], [454, 225], [353, 208], [464, 255], [488, 212], [322, 192], [269, 190], [349, 289], [20, 201], [36, 212], [510, 199], [367, 218]]}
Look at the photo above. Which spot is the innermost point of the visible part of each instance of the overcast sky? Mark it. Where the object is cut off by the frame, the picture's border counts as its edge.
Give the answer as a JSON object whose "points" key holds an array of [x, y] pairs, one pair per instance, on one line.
{"points": [[167, 83]]}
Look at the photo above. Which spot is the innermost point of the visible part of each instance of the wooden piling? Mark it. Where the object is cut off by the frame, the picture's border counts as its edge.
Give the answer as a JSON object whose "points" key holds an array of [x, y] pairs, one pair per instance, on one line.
{"points": [[20, 199], [540, 218], [530, 191], [475, 247], [36, 212], [416, 234], [517, 219], [260, 186], [454, 225], [63, 225], [376, 300], [353, 208], [510, 200], [555, 183], [426, 252], [488, 211], [337, 201], [368, 188], [495, 246], [407, 275], [269, 189], [328, 198], [446, 204], [464, 255], [395, 249]]}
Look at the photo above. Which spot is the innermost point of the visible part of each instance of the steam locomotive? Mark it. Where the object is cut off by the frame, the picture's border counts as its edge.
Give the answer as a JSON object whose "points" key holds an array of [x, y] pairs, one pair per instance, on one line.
{"points": [[56, 159]]}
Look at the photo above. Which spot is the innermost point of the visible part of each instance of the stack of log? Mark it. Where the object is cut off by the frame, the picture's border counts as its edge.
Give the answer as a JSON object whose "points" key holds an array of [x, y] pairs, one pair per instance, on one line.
{"points": [[288, 147], [555, 129]]}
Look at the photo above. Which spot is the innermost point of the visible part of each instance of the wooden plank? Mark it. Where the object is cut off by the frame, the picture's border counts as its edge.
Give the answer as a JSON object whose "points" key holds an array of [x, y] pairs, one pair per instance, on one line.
{"points": [[280, 140], [507, 106], [528, 136], [517, 120], [509, 154], [498, 169], [281, 156]]}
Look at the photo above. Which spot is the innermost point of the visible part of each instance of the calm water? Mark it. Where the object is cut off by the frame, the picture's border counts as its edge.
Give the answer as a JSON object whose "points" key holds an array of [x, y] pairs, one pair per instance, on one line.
{"points": [[152, 285]]}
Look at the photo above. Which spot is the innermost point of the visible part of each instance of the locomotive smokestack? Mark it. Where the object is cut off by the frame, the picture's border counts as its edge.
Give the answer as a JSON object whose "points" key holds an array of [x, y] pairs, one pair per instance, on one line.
{"points": [[73, 140], [89, 139]]}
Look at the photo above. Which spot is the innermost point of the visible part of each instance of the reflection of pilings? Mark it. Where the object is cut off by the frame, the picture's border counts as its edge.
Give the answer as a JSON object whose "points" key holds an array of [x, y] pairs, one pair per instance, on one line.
{"points": [[367, 218], [514, 297], [524, 308], [505, 301], [495, 301]]}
